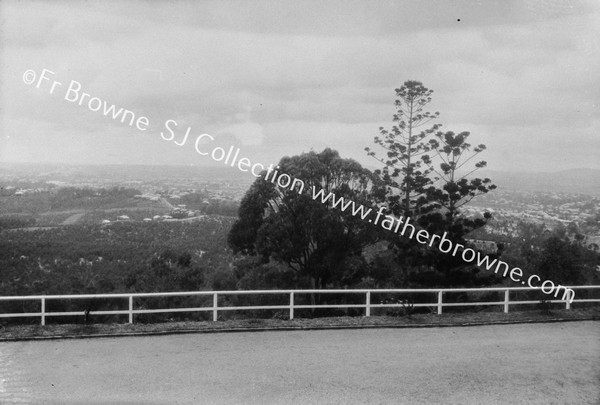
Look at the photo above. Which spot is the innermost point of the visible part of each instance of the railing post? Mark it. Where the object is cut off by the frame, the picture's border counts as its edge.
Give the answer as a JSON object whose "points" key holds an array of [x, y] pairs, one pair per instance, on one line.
{"points": [[43, 311], [368, 304], [131, 309], [506, 299], [439, 305], [291, 305], [215, 305]]}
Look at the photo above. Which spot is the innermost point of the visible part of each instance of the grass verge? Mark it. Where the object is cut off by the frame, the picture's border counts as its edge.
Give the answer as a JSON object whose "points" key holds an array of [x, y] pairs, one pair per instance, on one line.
{"points": [[67, 331]]}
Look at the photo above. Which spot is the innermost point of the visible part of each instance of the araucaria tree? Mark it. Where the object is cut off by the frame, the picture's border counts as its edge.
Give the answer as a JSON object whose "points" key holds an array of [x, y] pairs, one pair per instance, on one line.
{"points": [[406, 147], [425, 171], [313, 238]]}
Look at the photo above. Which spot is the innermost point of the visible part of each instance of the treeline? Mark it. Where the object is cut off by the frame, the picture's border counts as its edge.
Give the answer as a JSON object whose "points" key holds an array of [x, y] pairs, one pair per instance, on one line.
{"points": [[170, 256], [285, 239], [425, 176], [563, 254], [122, 257]]}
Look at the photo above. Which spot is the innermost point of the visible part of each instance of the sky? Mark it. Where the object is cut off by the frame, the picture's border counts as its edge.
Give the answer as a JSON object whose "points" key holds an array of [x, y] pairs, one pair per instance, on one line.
{"points": [[277, 78]]}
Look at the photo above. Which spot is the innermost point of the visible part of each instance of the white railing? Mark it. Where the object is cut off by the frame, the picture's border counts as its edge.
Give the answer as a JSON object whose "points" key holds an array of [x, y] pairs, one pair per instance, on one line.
{"points": [[215, 308]]}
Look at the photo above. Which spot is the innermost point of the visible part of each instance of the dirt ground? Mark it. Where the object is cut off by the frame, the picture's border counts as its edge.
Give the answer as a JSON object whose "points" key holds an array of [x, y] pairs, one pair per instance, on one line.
{"points": [[552, 363]]}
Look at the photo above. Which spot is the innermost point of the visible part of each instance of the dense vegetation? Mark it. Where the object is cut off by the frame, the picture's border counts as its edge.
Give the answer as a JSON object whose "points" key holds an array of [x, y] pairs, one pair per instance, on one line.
{"points": [[424, 178], [282, 238], [121, 257], [313, 239]]}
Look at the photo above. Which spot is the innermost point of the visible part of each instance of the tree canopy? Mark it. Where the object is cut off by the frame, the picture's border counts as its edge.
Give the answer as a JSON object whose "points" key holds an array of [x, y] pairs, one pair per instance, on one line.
{"points": [[312, 238], [426, 171]]}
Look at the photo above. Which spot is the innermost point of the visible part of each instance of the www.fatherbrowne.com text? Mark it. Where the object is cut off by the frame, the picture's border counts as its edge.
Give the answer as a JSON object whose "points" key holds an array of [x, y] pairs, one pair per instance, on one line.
{"points": [[74, 93], [403, 226]]}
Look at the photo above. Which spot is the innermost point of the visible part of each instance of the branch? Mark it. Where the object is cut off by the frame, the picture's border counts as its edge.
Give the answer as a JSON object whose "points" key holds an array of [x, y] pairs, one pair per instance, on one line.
{"points": [[472, 156], [477, 168]]}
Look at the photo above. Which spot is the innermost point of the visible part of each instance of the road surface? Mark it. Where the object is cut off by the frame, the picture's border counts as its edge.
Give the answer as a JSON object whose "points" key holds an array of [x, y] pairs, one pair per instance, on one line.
{"points": [[554, 363]]}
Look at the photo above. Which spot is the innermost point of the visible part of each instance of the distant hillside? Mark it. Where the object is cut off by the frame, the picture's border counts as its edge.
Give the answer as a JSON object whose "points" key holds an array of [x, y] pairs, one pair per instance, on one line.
{"points": [[573, 181], [577, 181], [120, 173]]}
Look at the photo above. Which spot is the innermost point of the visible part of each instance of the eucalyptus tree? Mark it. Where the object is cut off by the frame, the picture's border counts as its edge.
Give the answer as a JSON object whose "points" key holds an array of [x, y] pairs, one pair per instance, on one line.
{"points": [[289, 225]]}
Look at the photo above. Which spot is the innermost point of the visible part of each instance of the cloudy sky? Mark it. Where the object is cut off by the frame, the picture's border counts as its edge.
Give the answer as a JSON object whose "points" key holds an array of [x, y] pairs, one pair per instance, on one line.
{"points": [[280, 78]]}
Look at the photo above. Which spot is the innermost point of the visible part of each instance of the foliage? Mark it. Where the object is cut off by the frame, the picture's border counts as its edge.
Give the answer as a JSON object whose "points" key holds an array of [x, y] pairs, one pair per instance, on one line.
{"points": [[312, 238], [565, 262], [254, 273], [16, 221], [423, 180], [121, 257], [557, 255], [405, 171]]}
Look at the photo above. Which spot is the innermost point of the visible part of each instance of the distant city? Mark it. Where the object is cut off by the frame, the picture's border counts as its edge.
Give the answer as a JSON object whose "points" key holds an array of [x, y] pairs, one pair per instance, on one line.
{"points": [[188, 193]]}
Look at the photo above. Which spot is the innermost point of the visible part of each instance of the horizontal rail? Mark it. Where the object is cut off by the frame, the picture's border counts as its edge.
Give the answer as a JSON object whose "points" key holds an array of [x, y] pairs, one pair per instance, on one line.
{"points": [[166, 310], [21, 315], [264, 292], [213, 305]]}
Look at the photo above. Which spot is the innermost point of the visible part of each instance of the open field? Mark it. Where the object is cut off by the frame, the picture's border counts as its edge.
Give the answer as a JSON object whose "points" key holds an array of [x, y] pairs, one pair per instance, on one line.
{"points": [[554, 363]]}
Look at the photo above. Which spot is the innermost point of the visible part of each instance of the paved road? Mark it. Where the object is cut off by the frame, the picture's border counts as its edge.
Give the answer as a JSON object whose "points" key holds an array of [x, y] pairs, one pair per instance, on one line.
{"points": [[544, 363]]}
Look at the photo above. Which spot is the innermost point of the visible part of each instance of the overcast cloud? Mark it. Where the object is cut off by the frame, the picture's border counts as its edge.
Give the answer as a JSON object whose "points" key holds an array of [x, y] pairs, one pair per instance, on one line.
{"points": [[279, 78]]}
